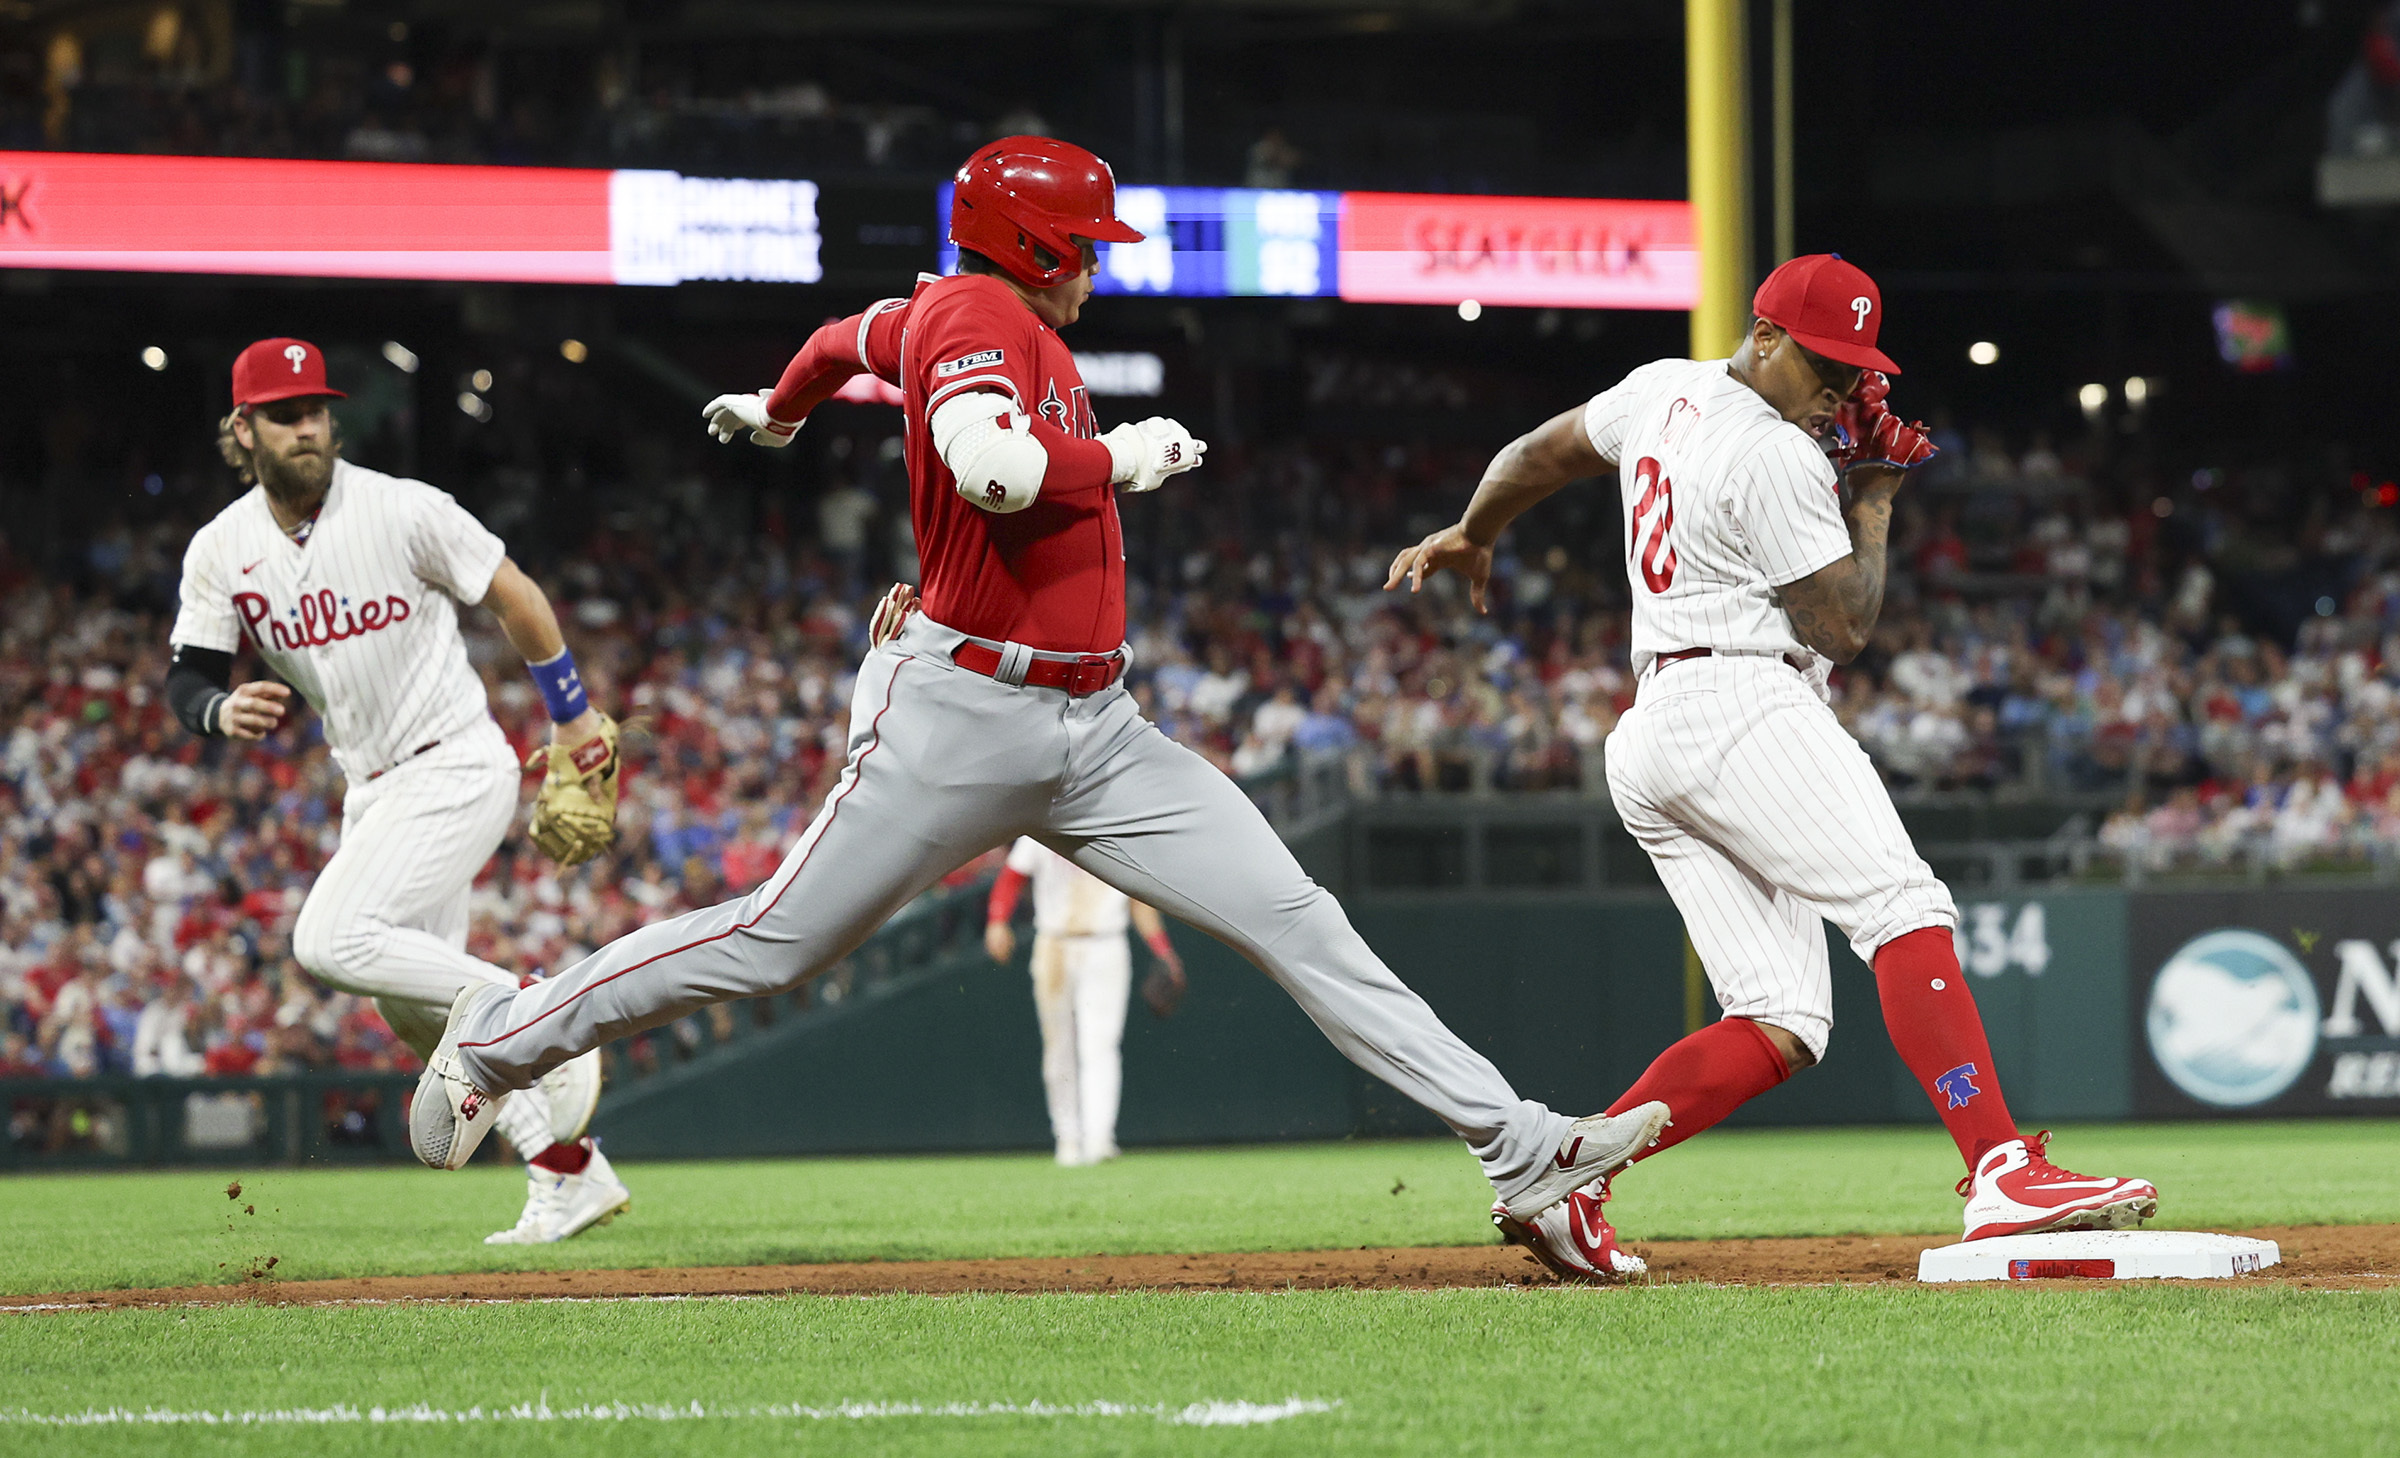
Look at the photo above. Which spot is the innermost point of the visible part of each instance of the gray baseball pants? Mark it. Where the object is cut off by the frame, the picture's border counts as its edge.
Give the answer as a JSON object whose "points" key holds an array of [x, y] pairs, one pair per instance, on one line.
{"points": [[944, 764]]}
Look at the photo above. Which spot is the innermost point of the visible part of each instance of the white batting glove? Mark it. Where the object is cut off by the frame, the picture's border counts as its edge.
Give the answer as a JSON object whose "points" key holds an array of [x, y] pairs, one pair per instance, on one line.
{"points": [[730, 415], [891, 614], [1146, 453]]}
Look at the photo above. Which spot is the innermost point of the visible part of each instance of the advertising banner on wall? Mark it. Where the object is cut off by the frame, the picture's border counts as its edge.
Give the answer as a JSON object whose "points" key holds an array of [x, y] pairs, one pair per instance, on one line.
{"points": [[2265, 1002]]}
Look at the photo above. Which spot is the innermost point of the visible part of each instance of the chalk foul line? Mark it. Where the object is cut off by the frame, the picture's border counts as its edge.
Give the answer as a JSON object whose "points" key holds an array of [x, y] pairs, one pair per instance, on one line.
{"points": [[1213, 1414]]}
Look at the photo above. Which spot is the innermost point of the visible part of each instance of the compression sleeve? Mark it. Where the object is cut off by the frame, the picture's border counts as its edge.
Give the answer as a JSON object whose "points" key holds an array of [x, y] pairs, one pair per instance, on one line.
{"points": [[1005, 891], [845, 347], [197, 680], [1076, 465]]}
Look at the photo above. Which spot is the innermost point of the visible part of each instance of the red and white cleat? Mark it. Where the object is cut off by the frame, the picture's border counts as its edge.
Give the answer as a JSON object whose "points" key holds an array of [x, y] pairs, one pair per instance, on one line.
{"points": [[1573, 1238], [2016, 1190]]}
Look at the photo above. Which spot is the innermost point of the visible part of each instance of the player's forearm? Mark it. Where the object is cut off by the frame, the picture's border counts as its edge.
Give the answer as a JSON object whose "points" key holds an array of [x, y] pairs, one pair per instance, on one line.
{"points": [[821, 367], [524, 614], [1833, 610], [198, 680], [1527, 471]]}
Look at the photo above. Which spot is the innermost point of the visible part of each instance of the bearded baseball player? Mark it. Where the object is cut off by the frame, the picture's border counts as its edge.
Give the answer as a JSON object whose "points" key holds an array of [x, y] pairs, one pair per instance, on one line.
{"points": [[1082, 981], [347, 583], [997, 711], [1750, 579]]}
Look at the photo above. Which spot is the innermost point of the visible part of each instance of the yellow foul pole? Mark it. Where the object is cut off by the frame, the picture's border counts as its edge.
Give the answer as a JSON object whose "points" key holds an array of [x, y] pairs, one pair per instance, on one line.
{"points": [[1717, 120]]}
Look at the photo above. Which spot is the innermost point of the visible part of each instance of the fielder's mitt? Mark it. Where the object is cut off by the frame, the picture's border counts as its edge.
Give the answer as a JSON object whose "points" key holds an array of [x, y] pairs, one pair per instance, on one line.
{"points": [[1163, 990], [575, 812]]}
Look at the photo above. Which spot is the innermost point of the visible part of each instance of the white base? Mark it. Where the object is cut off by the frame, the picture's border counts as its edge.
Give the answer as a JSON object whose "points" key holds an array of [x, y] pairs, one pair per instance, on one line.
{"points": [[2119, 1254]]}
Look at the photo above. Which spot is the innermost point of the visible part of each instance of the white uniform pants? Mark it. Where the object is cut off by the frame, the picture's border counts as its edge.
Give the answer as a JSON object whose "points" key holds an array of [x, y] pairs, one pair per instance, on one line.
{"points": [[1763, 817], [1080, 988], [387, 917], [945, 764]]}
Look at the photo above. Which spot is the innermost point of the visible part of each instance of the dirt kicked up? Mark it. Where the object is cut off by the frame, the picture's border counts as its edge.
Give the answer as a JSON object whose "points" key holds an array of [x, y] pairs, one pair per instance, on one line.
{"points": [[2345, 1257]]}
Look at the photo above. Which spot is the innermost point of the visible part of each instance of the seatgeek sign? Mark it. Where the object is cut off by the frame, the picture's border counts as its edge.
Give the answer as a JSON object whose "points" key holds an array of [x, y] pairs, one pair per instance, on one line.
{"points": [[227, 215], [1398, 248]]}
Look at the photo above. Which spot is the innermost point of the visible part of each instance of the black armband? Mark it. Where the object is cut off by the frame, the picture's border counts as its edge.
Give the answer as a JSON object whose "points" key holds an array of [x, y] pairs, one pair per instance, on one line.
{"points": [[197, 682]]}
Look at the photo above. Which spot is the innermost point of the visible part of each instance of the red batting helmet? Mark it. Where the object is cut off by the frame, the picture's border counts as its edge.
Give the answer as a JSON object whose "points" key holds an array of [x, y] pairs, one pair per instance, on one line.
{"points": [[279, 369], [1021, 193], [1830, 305]]}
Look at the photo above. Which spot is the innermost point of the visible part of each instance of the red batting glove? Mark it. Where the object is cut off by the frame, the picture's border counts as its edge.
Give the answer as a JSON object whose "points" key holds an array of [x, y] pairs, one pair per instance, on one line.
{"points": [[1868, 434]]}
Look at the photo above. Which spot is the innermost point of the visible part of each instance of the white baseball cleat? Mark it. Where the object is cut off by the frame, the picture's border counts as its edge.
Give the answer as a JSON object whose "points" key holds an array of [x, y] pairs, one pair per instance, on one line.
{"points": [[449, 1115], [574, 1090], [1594, 1149], [1573, 1238], [561, 1206], [2016, 1190]]}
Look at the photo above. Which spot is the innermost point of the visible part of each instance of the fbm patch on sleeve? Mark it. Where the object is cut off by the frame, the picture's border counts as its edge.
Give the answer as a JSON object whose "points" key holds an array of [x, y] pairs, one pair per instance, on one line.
{"points": [[965, 363]]}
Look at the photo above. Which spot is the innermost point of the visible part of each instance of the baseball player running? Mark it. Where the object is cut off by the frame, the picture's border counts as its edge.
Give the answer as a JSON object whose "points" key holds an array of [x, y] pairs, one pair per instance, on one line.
{"points": [[1082, 980], [998, 711], [1750, 579], [347, 583]]}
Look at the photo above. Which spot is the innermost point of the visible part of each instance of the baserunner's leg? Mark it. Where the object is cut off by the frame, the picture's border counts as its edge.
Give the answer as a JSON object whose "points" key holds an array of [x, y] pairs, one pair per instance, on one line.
{"points": [[1100, 975], [1160, 823], [1054, 1008], [938, 771]]}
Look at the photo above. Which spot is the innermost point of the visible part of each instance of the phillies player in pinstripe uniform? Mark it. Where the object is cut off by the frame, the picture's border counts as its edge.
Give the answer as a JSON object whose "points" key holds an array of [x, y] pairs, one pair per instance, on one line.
{"points": [[1750, 579], [347, 582], [999, 711]]}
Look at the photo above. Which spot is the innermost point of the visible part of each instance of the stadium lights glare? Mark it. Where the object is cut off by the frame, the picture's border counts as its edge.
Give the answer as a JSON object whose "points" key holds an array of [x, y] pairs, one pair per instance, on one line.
{"points": [[400, 356], [2137, 391], [154, 357], [1983, 352], [472, 404], [1469, 310], [574, 351], [2093, 398], [481, 379]]}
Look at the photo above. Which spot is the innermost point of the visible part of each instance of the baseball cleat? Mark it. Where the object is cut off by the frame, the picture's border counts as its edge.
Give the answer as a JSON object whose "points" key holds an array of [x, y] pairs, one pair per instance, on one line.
{"points": [[1573, 1238], [449, 1115], [591, 1198], [2016, 1190], [1594, 1149], [541, 1194], [574, 1090]]}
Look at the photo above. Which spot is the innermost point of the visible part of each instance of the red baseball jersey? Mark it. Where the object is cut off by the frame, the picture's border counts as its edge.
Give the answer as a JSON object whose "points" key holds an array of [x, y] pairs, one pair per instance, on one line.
{"points": [[1051, 576]]}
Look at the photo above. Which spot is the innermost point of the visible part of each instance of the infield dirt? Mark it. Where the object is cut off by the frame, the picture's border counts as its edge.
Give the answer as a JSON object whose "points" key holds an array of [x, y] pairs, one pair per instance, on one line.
{"points": [[2350, 1257]]}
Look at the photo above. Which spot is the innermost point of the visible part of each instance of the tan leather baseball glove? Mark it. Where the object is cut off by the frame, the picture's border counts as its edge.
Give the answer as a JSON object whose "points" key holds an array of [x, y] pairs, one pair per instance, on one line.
{"points": [[575, 811]]}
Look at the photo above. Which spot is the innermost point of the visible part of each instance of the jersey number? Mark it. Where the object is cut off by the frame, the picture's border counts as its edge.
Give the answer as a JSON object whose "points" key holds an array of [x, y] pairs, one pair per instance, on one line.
{"points": [[1654, 512]]}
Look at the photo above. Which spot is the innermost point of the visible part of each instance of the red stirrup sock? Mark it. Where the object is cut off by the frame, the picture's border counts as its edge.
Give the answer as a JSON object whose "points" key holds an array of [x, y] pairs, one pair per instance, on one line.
{"points": [[1706, 1076], [1934, 1024], [565, 1158]]}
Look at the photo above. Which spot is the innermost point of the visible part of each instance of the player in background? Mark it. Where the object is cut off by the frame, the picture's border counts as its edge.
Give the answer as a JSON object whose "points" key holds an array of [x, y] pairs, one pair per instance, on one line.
{"points": [[998, 711], [1082, 980], [347, 583], [1751, 577]]}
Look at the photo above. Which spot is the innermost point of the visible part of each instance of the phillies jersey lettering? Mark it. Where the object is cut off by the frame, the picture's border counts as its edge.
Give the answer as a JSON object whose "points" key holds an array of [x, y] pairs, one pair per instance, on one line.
{"points": [[362, 620], [1051, 576], [1724, 501]]}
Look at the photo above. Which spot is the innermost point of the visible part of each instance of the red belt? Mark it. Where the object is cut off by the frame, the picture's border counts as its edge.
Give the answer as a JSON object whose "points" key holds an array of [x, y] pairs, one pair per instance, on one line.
{"points": [[1086, 673], [1679, 655], [412, 754]]}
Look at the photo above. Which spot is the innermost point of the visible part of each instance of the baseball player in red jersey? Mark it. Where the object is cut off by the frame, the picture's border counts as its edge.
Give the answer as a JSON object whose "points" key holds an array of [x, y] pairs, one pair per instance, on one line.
{"points": [[997, 711], [1764, 819]]}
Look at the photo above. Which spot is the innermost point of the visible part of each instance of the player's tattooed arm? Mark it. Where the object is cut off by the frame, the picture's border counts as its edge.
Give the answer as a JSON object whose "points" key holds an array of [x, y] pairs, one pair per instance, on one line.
{"points": [[1833, 609], [1527, 470]]}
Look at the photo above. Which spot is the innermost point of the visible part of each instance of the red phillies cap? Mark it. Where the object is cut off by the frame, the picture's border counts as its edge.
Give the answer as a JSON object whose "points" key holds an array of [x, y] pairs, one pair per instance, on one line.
{"points": [[1828, 305], [279, 369]]}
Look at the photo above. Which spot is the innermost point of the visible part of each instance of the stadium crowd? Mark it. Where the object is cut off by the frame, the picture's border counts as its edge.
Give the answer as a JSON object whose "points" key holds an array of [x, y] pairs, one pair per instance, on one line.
{"points": [[2035, 637]]}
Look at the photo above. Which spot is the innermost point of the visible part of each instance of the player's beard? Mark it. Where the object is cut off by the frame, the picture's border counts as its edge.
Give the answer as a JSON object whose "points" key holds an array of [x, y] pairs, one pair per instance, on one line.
{"points": [[297, 481]]}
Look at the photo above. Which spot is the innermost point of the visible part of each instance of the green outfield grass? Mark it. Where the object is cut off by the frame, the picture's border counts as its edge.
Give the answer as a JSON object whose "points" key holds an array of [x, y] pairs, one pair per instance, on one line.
{"points": [[1638, 1370], [95, 1231], [2146, 1370]]}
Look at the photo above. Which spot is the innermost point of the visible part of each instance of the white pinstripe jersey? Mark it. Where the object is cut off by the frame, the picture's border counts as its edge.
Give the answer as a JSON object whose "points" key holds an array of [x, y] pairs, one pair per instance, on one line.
{"points": [[362, 620], [1724, 501], [1068, 901]]}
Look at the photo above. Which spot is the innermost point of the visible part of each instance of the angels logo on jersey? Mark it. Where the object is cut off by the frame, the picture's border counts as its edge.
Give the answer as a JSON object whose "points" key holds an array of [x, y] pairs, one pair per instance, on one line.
{"points": [[1073, 414], [321, 618]]}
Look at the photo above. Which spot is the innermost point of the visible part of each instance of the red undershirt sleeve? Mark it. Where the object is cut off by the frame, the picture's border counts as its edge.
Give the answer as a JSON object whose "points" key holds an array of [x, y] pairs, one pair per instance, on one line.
{"points": [[1077, 466], [1005, 890], [828, 359]]}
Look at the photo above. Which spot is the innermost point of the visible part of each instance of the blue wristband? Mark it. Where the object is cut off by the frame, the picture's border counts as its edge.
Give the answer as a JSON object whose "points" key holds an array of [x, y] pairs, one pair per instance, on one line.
{"points": [[561, 686]]}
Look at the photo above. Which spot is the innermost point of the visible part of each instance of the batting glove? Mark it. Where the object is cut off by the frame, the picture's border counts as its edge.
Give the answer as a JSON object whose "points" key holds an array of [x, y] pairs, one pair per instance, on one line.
{"points": [[730, 415], [1866, 433], [1146, 453], [891, 614]]}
